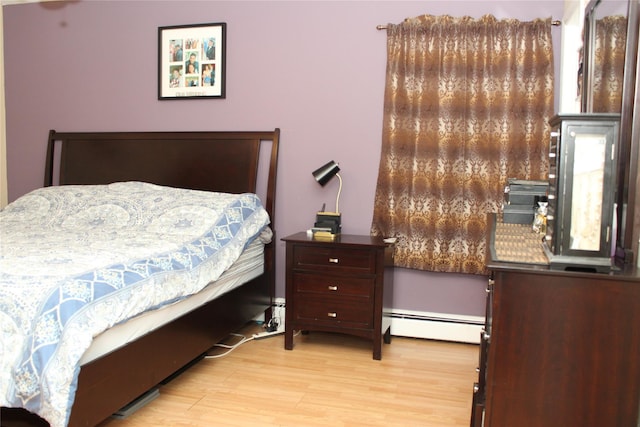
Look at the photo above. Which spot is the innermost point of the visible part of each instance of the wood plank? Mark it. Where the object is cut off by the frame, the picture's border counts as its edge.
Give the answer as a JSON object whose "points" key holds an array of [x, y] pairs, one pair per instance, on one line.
{"points": [[328, 379]]}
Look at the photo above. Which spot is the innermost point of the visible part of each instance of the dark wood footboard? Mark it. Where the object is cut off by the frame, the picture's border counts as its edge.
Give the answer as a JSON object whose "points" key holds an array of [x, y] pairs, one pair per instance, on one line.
{"points": [[116, 379]]}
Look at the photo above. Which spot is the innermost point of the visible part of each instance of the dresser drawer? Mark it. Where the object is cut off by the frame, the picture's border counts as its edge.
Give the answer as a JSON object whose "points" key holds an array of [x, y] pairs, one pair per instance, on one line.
{"points": [[326, 258], [348, 311], [336, 285]]}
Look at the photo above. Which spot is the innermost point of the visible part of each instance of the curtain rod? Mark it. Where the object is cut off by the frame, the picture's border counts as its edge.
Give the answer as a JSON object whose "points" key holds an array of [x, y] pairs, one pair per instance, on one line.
{"points": [[384, 27]]}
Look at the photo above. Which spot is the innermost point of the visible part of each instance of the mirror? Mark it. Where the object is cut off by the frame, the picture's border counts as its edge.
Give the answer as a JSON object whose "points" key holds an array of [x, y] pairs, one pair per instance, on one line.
{"points": [[604, 49], [588, 184], [609, 82]]}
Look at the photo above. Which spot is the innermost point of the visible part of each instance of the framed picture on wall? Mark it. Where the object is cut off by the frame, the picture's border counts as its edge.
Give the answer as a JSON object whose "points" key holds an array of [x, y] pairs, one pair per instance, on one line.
{"points": [[191, 61]]}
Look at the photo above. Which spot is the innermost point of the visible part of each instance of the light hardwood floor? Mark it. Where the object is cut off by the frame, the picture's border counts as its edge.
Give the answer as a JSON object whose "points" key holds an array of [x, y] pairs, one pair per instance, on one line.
{"points": [[326, 380]]}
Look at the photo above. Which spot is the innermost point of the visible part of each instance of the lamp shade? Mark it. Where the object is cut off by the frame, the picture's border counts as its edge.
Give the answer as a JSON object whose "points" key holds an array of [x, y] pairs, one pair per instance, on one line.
{"points": [[324, 173]]}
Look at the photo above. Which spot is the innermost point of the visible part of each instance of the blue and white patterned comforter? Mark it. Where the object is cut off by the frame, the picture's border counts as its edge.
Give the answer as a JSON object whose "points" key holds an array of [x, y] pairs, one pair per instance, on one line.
{"points": [[76, 260]]}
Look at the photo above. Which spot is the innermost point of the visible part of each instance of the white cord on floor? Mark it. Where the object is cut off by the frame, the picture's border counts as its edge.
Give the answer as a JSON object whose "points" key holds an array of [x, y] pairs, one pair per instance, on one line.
{"points": [[230, 347]]}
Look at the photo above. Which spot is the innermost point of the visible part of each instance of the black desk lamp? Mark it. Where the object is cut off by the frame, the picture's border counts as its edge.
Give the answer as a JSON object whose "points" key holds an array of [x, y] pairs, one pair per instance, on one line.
{"points": [[328, 222]]}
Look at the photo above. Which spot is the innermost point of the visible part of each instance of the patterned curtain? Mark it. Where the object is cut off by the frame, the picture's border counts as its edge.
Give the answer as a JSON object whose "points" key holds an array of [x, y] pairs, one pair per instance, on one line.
{"points": [[467, 104], [608, 69]]}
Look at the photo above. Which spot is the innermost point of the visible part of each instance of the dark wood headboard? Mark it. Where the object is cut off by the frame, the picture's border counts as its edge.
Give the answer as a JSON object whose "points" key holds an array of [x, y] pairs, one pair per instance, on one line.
{"points": [[227, 162]]}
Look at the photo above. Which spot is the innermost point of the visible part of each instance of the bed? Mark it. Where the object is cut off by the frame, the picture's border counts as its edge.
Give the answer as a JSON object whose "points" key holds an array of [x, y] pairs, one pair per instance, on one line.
{"points": [[132, 356]]}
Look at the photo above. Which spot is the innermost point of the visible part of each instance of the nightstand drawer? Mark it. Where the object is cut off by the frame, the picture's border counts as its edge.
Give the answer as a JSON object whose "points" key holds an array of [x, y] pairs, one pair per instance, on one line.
{"points": [[345, 311], [327, 258], [335, 285]]}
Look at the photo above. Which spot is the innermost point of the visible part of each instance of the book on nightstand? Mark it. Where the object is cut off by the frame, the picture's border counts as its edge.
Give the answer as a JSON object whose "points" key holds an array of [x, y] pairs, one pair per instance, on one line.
{"points": [[327, 226]]}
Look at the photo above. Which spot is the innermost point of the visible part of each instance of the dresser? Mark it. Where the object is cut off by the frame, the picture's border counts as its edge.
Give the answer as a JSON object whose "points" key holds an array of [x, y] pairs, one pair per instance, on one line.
{"points": [[343, 285], [559, 348]]}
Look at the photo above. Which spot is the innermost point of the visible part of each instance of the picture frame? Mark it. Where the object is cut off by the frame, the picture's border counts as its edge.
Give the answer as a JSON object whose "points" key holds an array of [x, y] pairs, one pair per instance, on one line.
{"points": [[192, 61]]}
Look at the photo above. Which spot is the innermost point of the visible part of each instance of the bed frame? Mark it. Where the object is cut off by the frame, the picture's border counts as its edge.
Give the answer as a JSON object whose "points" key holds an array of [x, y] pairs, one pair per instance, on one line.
{"points": [[230, 162]]}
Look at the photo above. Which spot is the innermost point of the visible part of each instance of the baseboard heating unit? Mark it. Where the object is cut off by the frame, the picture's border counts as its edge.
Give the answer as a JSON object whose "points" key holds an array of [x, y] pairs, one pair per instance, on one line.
{"points": [[419, 324], [437, 326]]}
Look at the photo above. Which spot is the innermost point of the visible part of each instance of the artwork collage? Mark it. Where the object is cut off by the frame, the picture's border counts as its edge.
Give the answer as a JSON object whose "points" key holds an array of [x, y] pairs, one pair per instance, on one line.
{"points": [[192, 62]]}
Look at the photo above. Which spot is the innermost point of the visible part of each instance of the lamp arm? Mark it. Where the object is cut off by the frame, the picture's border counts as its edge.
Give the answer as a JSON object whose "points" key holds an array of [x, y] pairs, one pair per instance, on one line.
{"points": [[339, 191]]}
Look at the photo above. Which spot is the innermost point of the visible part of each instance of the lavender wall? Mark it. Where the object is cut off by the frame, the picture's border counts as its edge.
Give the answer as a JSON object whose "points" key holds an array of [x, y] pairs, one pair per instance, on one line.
{"points": [[313, 68]]}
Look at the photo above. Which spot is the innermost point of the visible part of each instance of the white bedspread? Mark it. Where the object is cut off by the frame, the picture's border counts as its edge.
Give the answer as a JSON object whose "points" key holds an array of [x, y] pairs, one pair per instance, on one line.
{"points": [[76, 260]]}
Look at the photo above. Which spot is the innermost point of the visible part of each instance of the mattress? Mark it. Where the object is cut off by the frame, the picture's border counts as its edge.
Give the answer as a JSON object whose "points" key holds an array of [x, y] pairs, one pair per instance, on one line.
{"points": [[249, 266]]}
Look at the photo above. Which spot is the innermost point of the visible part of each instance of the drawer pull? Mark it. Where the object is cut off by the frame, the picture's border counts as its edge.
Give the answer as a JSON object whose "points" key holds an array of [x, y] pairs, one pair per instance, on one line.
{"points": [[333, 260], [332, 287], [332, 314]]}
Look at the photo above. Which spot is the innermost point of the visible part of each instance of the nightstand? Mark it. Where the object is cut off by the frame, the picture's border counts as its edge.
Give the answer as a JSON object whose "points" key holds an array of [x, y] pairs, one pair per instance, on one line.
{"points": [[343, 285]]}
